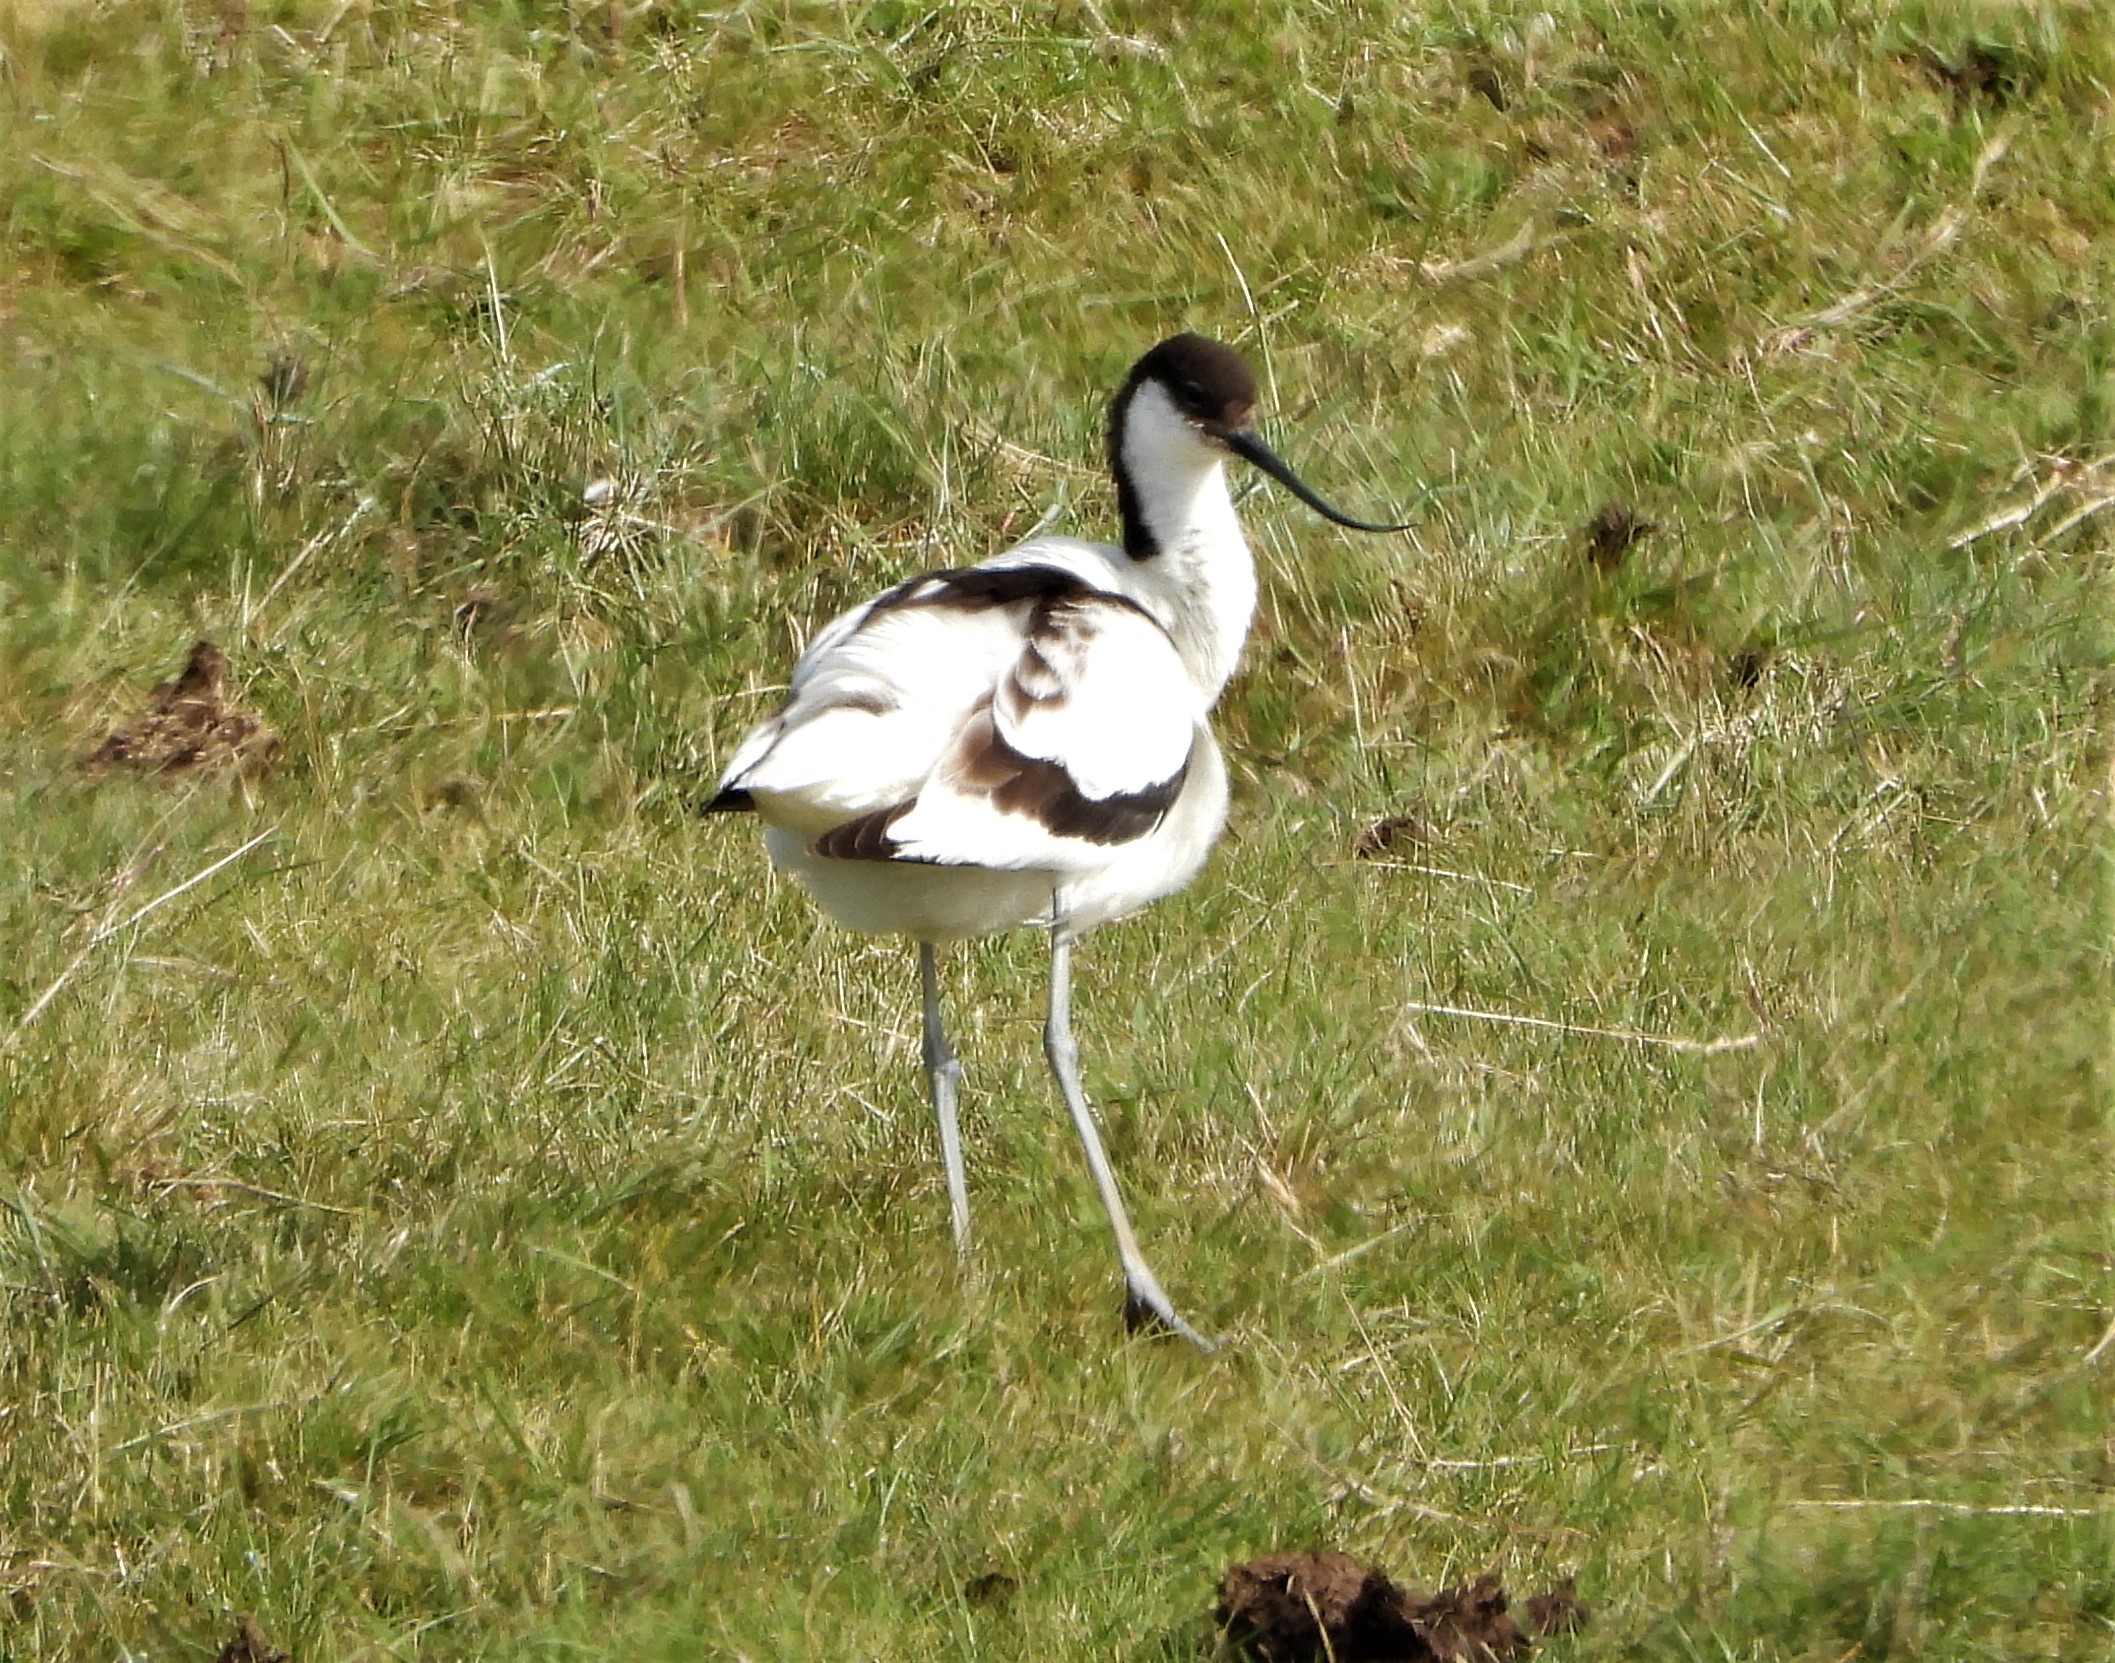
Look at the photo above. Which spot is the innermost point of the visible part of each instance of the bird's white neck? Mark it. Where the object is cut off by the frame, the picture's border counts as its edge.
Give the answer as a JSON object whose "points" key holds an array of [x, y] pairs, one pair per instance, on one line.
{"points": [[1201, 581]]}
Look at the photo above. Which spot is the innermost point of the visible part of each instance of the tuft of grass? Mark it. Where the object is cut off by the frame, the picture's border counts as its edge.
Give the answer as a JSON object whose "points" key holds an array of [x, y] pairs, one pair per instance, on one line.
{"points": [[489, 1214]]}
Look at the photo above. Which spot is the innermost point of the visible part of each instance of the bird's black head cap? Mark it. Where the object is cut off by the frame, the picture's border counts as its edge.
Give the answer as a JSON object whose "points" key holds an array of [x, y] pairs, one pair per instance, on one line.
{"points": [[1212, 386], [1209, 382]]}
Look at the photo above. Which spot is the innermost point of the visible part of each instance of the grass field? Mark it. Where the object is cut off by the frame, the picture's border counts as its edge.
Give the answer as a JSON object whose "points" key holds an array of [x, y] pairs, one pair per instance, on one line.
{"points": [[485, 1215]]}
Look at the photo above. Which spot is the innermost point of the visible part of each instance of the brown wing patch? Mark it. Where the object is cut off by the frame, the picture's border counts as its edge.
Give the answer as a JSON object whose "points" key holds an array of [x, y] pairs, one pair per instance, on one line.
{"points": [[984, 765], [864, 838], [987, 765], [1060, 630]]}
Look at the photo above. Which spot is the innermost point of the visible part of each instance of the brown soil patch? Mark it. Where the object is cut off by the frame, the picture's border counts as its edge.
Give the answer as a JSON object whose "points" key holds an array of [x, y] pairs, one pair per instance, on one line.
{"points": [[487, 618], [1617, 140], [991, 1588], [250, 1645], [1746, 667], [1297, 1607], [1389, 833], [1611, 533], [1986, 73], [189, 724], [483, 608]]}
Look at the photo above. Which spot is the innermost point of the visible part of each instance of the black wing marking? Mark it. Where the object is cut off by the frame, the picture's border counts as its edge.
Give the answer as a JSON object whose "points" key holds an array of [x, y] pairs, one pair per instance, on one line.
{"points": [[984, 764]]}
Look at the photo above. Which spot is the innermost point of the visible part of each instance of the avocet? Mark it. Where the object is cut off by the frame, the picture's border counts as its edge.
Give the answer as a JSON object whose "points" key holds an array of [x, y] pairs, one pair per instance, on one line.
{"points": [[1028, 740]]}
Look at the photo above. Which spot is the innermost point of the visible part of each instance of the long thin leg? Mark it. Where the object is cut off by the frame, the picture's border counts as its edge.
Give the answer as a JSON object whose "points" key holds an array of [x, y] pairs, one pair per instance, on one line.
{"points": [[943, 1074], [1144, 1303]]}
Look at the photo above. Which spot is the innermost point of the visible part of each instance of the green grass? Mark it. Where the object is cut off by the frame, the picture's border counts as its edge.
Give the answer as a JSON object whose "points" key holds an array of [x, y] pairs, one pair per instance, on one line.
{"points": [[492, 1216]]}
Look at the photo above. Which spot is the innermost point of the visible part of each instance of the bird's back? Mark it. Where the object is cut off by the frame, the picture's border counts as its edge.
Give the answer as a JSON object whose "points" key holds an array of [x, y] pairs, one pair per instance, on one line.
{"points": [[886, 687], [1027, 716]]}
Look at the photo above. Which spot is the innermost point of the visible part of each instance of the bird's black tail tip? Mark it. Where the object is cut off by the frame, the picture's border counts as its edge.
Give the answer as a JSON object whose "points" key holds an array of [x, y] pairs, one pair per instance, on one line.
{"points": [[733, 800]]}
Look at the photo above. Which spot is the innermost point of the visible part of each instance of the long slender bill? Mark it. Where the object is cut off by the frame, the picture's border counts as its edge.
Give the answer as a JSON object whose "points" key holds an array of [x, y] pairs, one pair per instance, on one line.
{"points": [[1245, 442]]}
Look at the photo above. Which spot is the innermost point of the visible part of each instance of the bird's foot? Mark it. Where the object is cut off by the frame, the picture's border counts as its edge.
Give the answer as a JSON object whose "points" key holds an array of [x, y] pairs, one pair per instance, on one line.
{"points": [[1147, 1311]]}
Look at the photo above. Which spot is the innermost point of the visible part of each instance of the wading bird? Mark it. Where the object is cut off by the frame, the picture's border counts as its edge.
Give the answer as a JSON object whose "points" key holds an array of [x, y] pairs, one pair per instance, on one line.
{"points": [[1028, 740]]}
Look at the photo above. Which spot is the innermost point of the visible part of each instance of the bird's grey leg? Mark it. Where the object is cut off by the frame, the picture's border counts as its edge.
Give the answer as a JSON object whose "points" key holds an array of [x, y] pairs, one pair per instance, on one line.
{"points": [[943, 1074], [1144, 1303]]}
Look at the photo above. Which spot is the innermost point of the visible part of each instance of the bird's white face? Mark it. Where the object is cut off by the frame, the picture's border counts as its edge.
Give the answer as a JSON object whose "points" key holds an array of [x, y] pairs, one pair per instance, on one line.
{"points": [[1162, 440]]}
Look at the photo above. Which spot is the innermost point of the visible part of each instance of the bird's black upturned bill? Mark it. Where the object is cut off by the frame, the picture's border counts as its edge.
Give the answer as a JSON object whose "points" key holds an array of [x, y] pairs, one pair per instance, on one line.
{"points": [[1247, 444]]}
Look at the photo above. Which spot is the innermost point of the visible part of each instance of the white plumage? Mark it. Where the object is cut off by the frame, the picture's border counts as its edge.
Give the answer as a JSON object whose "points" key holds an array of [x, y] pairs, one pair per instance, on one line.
{"points": [[1028, 740]]}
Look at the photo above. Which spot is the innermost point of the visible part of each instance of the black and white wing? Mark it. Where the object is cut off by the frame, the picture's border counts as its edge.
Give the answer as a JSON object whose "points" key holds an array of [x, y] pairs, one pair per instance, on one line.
{"points": [[1080, 745], [1015, 716]]}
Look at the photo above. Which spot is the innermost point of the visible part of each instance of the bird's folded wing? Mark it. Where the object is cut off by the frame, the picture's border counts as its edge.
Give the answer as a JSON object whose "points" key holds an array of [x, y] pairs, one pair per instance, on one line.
{"points": [[874, 706], [1082, 746]]}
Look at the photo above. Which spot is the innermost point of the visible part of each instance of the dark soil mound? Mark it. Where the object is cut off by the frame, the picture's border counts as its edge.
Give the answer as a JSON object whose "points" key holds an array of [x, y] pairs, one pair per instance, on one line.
{"points": [[1293, 1607], [189, 724], [250, 1645]]}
